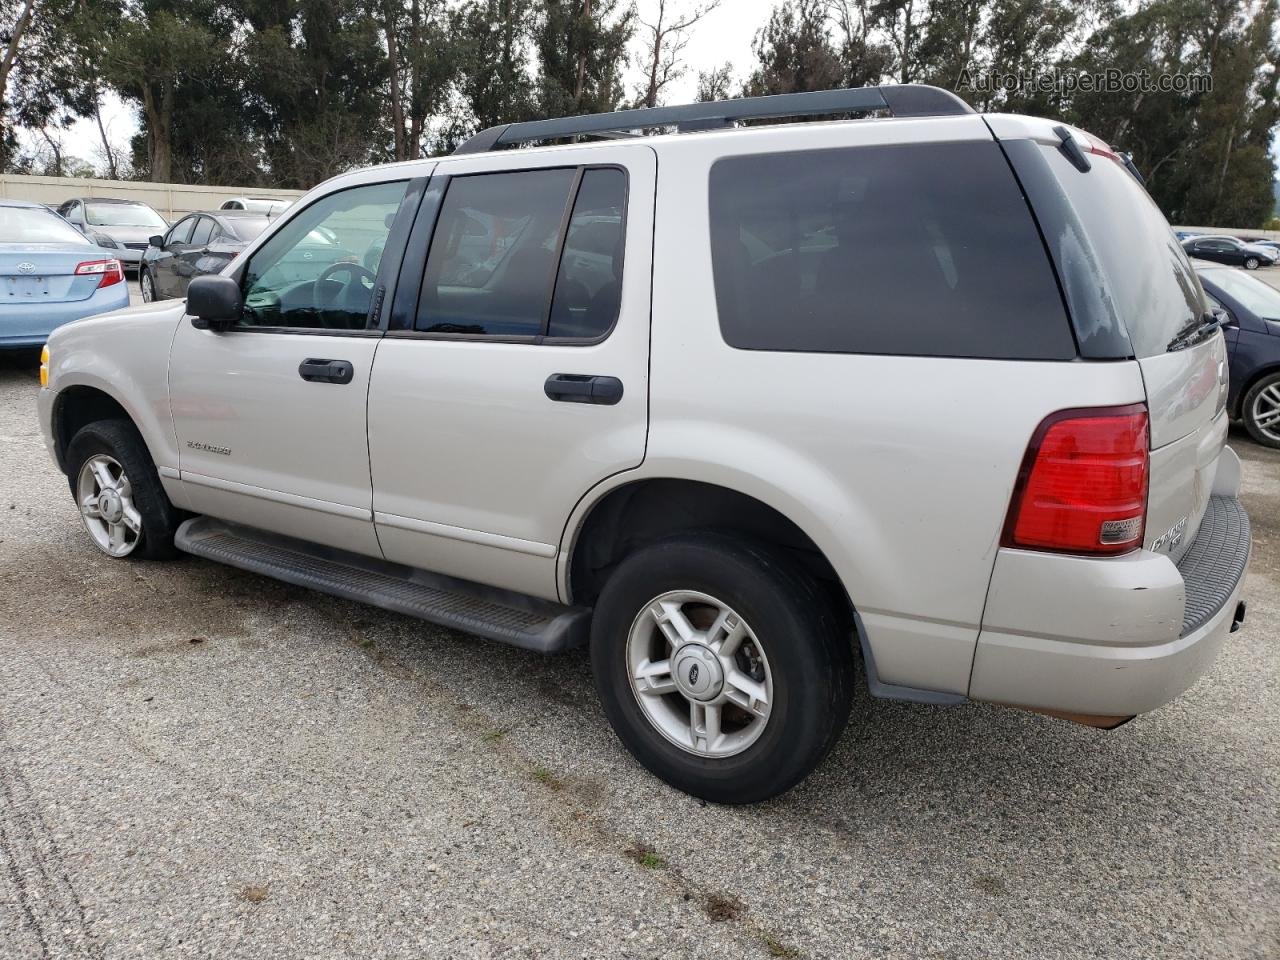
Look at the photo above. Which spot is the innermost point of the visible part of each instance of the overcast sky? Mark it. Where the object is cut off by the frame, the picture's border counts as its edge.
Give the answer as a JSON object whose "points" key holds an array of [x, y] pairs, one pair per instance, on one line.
{"points": [[725, 35]]}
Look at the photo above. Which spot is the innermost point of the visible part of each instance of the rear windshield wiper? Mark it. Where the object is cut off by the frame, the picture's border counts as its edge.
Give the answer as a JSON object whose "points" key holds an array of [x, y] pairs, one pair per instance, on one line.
{"points": [[1194, 333]]}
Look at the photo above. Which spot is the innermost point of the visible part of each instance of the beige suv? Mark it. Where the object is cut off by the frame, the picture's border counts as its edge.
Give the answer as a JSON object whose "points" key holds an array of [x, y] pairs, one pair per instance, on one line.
{"points": [[741, 405]]}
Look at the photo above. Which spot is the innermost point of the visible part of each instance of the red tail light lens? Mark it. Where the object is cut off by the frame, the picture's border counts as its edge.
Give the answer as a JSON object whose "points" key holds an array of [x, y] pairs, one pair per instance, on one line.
{"points": [[109, 270], [1083, 483]]}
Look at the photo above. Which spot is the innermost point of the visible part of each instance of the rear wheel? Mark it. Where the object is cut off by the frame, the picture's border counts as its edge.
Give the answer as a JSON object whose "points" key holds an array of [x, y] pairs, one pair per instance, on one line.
{"points": [[147, 285], [124, 508], [722, 666], [1251, 263], [1261, 409]]}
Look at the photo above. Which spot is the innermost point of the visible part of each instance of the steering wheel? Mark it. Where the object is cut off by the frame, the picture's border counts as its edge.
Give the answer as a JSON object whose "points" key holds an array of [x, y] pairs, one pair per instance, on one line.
{"points": [[335, 308]]}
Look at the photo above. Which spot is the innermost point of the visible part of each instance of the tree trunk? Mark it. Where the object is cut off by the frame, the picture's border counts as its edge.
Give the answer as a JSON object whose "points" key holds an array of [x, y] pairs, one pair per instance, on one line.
{"points": [[159, 112], [8, 58], [581, 85], [112, 171], [655, 58], [397, 100], [417, 109], [56, 147]]}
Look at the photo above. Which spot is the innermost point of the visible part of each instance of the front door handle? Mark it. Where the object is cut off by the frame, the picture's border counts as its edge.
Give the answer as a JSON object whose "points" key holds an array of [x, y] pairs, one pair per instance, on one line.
{"points": [[579, 388], [326, 371]]}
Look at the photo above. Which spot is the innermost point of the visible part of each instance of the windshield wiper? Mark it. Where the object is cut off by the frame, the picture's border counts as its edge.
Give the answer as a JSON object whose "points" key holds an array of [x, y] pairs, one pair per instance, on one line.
{"points": [[1197, 332]]}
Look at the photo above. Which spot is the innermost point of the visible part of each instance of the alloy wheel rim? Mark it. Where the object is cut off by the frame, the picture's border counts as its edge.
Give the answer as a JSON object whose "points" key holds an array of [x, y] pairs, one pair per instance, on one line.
{"points": [[1265, 411], [105, 496], [699, 674], [147, 292]]}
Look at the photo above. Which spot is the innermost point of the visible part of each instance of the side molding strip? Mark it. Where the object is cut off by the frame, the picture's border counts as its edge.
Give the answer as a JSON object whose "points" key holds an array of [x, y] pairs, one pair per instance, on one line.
{"points": [[514, 544]]}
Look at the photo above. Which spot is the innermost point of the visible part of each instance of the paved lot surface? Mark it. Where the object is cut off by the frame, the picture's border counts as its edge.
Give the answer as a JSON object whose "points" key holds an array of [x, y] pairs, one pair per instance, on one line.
{"points": [[197, 762]]}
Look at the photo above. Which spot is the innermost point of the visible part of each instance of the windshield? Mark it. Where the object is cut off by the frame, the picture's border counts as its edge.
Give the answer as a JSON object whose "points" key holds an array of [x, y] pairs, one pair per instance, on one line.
{"points": [[33, 225], [246, 228], [122, 215], [1254, 295]]}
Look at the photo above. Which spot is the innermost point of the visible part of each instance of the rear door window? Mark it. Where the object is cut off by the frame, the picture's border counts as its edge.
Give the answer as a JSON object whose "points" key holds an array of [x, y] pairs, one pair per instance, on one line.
{"points": [[589, 284], [203, 231], [912, 249], [527, 254], [493, 257]]}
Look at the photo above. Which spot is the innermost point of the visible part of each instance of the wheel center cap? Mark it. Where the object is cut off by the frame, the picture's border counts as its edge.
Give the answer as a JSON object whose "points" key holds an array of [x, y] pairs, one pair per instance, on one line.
{"points": [[110, 507], [697, 672]]}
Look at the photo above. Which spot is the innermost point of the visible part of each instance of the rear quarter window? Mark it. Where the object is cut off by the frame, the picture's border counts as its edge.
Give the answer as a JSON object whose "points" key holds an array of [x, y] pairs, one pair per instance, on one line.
{"points": [[911, 249], [1150, 282]]}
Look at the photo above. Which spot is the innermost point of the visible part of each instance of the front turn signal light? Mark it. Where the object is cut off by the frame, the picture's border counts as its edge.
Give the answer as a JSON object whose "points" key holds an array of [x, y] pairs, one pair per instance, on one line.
{"points": [[44, 366]]}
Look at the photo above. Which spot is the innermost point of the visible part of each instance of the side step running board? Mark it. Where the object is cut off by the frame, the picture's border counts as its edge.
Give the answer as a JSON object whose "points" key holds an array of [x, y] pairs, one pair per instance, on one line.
{"points": [[470, 607]]}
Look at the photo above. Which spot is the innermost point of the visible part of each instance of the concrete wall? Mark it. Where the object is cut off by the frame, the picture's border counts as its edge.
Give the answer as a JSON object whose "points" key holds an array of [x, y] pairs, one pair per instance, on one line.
{"points": [[172, 200], [1234, 232]]}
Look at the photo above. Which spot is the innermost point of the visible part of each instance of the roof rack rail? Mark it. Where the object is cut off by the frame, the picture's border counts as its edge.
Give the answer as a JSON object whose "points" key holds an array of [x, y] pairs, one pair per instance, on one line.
{"points": [[901, 100]]}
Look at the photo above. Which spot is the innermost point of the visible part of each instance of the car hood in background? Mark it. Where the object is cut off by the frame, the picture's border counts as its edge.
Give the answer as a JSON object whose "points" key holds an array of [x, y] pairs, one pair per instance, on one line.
{"points": [[128, 234]]}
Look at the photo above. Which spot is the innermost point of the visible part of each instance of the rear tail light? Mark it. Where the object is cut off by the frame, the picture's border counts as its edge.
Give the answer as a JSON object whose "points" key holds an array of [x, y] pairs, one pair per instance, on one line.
{"points": [[108, 270], [1083, 483]]}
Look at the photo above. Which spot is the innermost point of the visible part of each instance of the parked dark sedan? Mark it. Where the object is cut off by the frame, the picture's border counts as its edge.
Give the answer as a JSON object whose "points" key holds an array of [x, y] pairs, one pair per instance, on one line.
{"points": [[207, 241], [1230, 251], [1252, 328], [197, 244]]}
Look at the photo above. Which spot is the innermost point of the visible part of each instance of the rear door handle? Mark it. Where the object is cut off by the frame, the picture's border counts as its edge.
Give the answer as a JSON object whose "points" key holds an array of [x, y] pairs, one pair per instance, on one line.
{"points": [[326, 371], [579, 388]]}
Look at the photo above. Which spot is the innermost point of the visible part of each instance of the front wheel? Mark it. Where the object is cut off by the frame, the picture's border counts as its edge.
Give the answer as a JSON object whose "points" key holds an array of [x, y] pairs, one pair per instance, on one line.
{"points": [[1251, 263], [1261, 409], [124, 508], [147, 285], [721, 666]]}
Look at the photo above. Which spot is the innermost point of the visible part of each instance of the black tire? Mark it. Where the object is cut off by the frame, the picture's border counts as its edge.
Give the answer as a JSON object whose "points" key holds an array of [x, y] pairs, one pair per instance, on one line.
{"points": [[810, 658], [144, 281], [120, 440], [1247, 413], [1251, 263]]}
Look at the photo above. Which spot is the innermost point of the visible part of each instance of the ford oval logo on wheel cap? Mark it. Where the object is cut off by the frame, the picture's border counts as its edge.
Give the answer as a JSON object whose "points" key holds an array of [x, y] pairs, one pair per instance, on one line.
{"points": [[26, 267]]}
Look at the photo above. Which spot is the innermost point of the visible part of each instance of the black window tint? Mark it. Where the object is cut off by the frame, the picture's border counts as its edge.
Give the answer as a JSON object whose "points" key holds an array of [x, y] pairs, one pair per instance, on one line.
{"points": [[913, 249], [1147, 273], [203, 231], [182, 232], [589, 284], [493, 256]]}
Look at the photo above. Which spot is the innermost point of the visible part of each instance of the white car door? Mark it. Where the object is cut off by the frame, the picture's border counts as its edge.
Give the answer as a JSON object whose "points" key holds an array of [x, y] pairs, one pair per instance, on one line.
{"points": [[270, 413], [515, 375]]}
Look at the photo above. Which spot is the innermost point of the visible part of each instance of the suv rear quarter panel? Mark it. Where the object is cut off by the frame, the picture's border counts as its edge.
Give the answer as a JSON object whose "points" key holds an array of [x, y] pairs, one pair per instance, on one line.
{"points": [[899, 468]]}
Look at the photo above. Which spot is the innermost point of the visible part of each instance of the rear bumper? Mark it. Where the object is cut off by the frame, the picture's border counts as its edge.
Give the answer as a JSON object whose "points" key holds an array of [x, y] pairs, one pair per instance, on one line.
{"points": [[1115, 637], [29, 324]]}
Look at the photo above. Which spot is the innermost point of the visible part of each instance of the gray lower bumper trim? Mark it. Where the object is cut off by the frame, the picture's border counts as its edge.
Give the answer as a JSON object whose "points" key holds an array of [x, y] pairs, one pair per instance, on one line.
{"points": [[1216, 561]]}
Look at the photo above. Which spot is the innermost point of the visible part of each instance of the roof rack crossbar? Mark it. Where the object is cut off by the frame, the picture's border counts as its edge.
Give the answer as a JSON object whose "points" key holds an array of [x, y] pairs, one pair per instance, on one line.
{"points": [[906, 100]]}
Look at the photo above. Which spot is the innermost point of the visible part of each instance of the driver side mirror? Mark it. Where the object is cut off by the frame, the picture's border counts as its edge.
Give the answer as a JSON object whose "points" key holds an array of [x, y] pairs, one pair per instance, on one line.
{"points": [[214, 302], [156, 241], [1223, 316]]}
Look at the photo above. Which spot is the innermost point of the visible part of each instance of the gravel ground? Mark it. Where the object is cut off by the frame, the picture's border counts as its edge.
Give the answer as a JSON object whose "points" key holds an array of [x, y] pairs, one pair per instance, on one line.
{"points": [[198, 762]]}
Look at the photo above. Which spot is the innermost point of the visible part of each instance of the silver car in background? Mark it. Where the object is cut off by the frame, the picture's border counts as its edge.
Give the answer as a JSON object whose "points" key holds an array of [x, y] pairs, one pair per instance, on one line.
{"points": [[121, 226]]}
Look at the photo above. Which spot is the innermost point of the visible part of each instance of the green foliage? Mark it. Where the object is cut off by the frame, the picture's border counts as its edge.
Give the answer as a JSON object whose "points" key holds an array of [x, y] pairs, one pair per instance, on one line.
{"points": [[582, 49], [290, 92]]}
